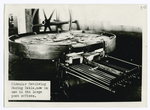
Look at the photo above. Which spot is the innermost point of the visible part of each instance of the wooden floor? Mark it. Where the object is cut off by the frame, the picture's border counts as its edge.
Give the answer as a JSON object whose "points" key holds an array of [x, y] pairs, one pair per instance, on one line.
{"points": [[27, 69]]}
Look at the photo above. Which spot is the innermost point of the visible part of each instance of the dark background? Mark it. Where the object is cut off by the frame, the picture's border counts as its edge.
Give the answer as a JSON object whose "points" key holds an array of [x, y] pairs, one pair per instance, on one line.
{"points": [[128, 47]]}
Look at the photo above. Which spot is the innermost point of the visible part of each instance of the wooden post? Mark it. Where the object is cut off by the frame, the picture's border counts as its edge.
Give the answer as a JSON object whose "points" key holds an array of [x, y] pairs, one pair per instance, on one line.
{"points": [[35, 20], [28, 20]]}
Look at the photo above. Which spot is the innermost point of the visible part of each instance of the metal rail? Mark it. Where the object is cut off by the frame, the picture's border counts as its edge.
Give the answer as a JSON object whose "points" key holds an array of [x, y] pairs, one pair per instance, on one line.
{"points": [[106, 68], [100, 79], [86, 78]]}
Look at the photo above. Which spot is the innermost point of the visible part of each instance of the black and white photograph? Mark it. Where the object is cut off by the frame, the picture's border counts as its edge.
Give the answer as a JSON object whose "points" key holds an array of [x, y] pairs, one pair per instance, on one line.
{"points": [[75, 53]]}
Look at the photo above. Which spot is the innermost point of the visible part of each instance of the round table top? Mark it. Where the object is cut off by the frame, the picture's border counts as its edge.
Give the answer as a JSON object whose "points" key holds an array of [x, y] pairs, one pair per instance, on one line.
{"points": [[52, 45]]}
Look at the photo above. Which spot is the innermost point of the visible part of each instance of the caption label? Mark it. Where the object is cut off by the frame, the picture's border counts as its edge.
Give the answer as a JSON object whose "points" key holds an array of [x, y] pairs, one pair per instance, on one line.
{"points": [[29, 90]]}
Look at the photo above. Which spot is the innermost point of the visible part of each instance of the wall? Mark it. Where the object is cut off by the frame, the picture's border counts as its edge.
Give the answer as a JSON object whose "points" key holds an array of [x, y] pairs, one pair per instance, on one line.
{"points": [[19, 13], [101, 17], [95, 17]]}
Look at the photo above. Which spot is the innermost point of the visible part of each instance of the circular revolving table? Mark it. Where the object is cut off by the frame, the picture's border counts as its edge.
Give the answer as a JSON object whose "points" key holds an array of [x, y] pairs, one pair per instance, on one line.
{"points": [[53, 45]]}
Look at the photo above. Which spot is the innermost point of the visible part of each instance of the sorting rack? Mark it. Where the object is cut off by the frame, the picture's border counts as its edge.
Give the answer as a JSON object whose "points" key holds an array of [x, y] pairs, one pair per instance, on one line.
{"points": [[107, 73]]}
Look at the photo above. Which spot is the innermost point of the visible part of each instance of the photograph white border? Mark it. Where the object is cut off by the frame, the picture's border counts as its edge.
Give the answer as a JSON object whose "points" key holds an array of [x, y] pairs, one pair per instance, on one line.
{"points": [[13, 104]]}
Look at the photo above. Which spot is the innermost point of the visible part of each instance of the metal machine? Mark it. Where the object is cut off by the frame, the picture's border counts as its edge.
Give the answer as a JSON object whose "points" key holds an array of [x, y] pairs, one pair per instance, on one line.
{"points": [[90, 64]]}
